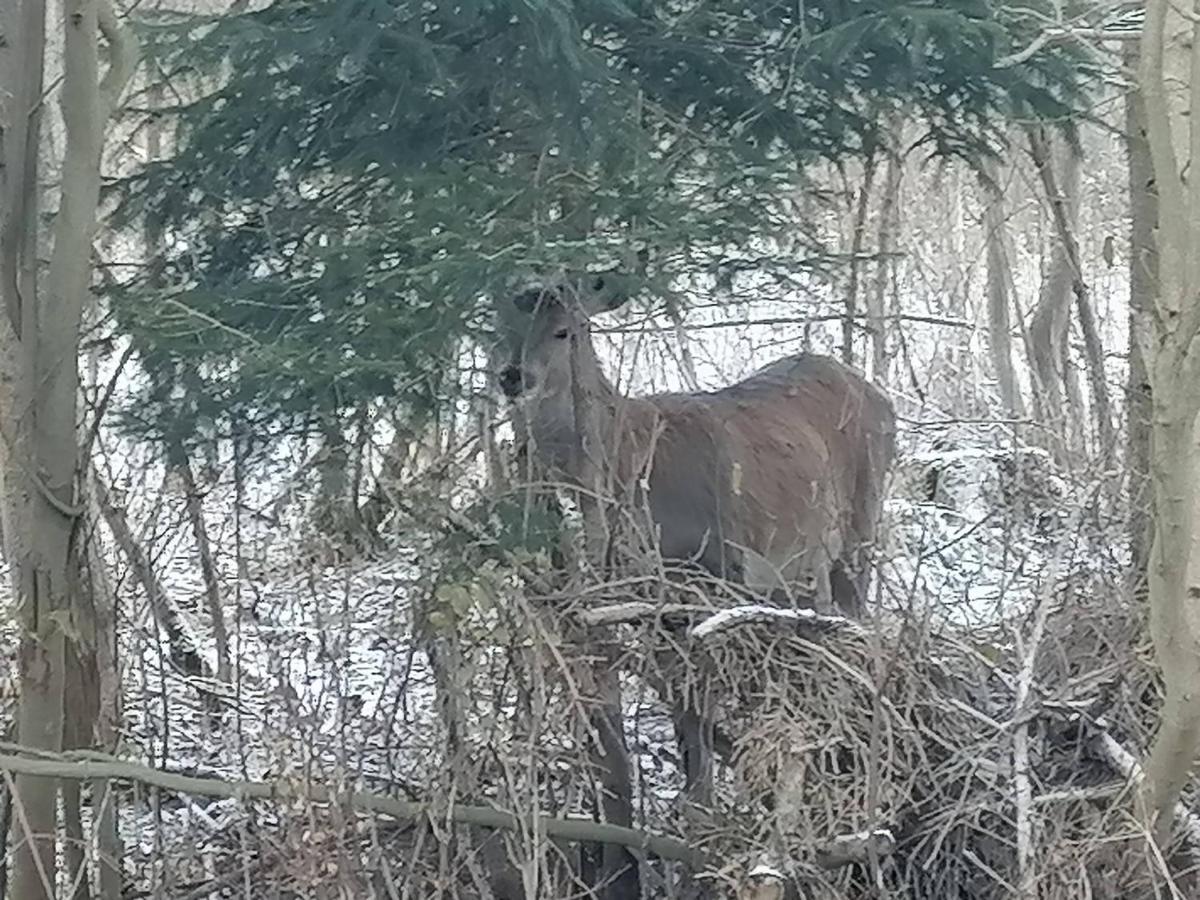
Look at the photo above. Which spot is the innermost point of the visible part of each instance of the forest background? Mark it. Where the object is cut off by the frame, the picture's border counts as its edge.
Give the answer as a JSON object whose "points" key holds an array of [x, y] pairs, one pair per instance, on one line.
{"points": [[288, 618]]}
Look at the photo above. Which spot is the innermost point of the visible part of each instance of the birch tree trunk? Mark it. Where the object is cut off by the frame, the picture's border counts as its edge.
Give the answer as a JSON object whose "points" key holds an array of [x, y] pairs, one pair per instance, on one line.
{"points": [[39, 375], [1169, 82]]}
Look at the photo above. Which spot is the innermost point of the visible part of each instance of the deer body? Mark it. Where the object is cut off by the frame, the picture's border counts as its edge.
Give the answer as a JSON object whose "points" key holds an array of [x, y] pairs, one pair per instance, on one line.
{"points": [[775, 481]]}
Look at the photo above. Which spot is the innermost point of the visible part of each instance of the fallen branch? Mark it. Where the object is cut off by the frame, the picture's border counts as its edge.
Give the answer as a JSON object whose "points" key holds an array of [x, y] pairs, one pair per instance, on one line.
{"points": [[738, 616], [636, 610], [87, 766], [855, 848]]}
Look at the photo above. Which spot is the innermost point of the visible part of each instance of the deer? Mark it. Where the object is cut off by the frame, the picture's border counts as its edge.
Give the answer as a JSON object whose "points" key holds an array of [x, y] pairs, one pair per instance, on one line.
{"points": [[775, 482]]}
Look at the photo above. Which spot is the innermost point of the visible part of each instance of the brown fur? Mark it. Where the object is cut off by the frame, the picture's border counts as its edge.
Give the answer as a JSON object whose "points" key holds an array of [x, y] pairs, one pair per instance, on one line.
{"points": [[775, 481]]}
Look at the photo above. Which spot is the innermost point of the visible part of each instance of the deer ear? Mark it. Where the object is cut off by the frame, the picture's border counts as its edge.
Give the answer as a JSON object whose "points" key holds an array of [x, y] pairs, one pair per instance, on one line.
{"points": [[529, 300], [603, 291]]}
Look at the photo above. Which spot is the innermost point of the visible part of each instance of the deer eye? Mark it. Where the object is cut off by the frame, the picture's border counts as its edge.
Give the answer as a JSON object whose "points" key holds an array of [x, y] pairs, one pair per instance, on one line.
{"points": [[562, 333], [598, 284]]}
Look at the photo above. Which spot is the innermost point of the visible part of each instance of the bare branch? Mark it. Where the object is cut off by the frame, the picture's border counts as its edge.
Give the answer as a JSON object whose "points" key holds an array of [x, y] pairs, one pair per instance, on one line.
{"points": [[747, 615], [124, 48], [85, 765]]}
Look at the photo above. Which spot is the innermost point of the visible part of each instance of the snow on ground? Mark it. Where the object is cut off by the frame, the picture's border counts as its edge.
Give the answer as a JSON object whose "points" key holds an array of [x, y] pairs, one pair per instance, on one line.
{"points": [[332, 681]]}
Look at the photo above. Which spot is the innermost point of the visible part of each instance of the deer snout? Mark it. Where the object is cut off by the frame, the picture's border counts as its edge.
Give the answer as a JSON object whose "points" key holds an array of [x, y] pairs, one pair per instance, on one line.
{"points": [[512, 382]]}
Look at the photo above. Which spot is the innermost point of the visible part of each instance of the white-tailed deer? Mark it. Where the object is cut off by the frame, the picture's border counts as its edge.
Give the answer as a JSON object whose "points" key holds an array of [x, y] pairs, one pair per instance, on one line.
{"points": [[775, 481]]}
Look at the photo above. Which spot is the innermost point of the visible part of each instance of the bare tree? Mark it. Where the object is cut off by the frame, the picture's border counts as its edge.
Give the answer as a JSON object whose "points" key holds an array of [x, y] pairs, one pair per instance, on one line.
{"points": [[1169, 340], [39, 383]]}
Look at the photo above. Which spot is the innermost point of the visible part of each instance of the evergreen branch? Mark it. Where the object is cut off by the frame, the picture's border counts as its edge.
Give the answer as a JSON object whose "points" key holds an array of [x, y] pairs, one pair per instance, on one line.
{"points": [[88, 766]]}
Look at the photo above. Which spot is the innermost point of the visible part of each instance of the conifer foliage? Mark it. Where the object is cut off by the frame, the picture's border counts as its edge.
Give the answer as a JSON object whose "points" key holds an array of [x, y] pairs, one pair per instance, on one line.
{"points": [[351, 179]]}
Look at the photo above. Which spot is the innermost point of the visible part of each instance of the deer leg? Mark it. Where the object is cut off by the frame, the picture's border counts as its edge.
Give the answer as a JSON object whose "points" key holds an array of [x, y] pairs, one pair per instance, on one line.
{"points": [[845, 588], [851, 580], [693, 731], [823, 595]]}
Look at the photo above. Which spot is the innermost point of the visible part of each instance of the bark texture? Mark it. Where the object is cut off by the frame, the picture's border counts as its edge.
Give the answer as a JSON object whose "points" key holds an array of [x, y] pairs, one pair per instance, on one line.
{"points": [[1169, 82], [1143, 283]]}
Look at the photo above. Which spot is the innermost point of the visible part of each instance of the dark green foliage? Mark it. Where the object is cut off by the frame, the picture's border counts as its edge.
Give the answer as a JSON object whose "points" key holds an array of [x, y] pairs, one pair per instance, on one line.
{"points": [[354, 177]]}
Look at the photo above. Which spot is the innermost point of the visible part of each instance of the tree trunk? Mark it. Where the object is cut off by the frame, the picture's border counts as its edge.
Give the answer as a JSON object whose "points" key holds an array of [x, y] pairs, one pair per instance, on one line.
{"points": [[888, 226], [194, 503], [999, 283], [1050, 323], [857, 239], [1143, 278], [39, 378], [179, 643], [331, 511], [38, 576], [96, 592], [619, 869], [1064, 207], [1173, 135], [81, 703], [391, 472]]}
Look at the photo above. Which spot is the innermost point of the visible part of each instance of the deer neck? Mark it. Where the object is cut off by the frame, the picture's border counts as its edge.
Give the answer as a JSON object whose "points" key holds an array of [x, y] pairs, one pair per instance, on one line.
{"points": [[563, 420]]}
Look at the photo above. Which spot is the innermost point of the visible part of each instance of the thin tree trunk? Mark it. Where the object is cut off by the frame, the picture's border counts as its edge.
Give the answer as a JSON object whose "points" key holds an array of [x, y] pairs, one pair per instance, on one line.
{"points": [[857, 239], [888, 215], [1048, 328], [619, 869], [194, 504], [95, 590], [81, 702], [1064, 207], [687, 360], [375, 507], [182, 650], [331, 509], [81, 709], [999, 282], [1143, 286]]}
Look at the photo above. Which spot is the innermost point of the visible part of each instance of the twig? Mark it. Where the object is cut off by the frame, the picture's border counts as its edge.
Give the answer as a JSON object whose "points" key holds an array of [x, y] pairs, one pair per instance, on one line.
{"points": [[1022, 782], [786, 320]]}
